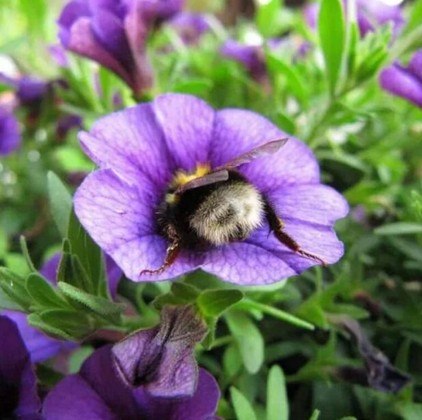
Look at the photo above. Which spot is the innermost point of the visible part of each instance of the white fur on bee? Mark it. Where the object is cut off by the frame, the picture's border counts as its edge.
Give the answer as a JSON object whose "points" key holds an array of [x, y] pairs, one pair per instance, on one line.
{"points": [[229, 213]]}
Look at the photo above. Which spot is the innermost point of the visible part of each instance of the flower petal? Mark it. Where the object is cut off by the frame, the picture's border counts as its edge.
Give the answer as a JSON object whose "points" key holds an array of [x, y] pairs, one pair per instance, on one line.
{"points": [[81, 40], [187, 123], [149, 253], [17, 379], [238, 131], [130, 143], [113, 212], [415, 65], [72, 398], [401, 82], [246, 263], [313, 203], [202, 405]]}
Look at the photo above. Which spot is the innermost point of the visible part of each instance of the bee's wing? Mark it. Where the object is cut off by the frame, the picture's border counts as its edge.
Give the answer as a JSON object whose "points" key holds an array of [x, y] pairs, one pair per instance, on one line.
{"points": [[211, 178], [265, 149]]}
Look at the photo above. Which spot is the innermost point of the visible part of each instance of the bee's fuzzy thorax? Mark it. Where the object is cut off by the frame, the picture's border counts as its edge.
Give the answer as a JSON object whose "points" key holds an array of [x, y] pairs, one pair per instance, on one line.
{"points": [[231, 212]]}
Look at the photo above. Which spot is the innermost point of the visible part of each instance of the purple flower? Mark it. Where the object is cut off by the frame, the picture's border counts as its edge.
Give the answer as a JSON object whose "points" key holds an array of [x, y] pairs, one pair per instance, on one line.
{"points": [[190, 26], [29, 90], [370, 15], [250, 56], [66, 124], [10, 136], [405, 82], [151, 374], [144, 149], [114, 33], [18, 393]]}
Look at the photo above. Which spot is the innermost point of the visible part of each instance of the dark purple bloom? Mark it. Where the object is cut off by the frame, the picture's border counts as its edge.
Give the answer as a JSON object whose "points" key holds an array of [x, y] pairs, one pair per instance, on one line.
{"points": [[405, 82], [139, 151], [18, 393], [190, 26], [67, 123], [29, 90], [250, 56], [10, 136], [114, 33], [150, 375], [370, 15]]}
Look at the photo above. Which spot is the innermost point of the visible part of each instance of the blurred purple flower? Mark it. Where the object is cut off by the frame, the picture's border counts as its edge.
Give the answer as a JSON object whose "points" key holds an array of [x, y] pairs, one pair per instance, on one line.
{"points": [[67, 123], [250, 56], [370, 15], [10, 136], [139, 151], [405, 82], [114, 33], [18, 391], [190, 26], [157, 364], [58, 54], [29, 90]]}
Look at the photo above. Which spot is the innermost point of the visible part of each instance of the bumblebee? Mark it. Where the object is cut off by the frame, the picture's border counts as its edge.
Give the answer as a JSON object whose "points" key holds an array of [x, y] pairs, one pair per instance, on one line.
{"points": [[213, 207]]}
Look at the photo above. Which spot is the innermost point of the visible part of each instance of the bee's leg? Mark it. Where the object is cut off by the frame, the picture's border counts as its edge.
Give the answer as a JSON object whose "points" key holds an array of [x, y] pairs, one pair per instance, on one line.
{"points": [[172, 253], [276, 225]]}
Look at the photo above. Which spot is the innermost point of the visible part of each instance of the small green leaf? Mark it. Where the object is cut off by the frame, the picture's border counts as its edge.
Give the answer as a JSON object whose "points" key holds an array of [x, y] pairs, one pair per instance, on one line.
{"points": [[13, 286], [267, 17], [25, 252], [315, 415], [60, 202], [36, 321], [42, 292], [241, 405], [331, 29], [214, 302], [248, 338], [277, 402], [100, 306], [184, 291], [399, 228], [72, 322]]}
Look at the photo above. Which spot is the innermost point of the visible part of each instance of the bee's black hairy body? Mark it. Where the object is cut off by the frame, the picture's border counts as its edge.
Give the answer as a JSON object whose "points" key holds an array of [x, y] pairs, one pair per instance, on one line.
{"points": [[177, 216]]}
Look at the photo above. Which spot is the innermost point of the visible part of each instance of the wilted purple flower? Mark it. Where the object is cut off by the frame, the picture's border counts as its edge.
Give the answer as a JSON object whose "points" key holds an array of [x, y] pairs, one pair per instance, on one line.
{"points": [[141, 150], [114, 33], [370, 15], [10, 136], [405, 82], [18, 392], [150, 375], [190, 26]]}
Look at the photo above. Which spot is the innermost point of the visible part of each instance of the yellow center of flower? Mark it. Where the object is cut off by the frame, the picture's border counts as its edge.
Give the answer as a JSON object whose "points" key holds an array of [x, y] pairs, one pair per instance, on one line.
{"points": [[182, 177]]}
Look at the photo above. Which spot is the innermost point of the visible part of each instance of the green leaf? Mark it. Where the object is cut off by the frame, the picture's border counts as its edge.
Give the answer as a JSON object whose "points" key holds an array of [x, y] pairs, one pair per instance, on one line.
{"points": [[241, 405], [193, 86], [248, 339], [25, 252], [100, 306], [214, 302], [277, 402], [72, 322], [399, 228], [42, 292], [331, 30], [60, 202], [315, 415], [13, 286], [89, 255], [267, 16], [184, 291], [36, 321]]}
